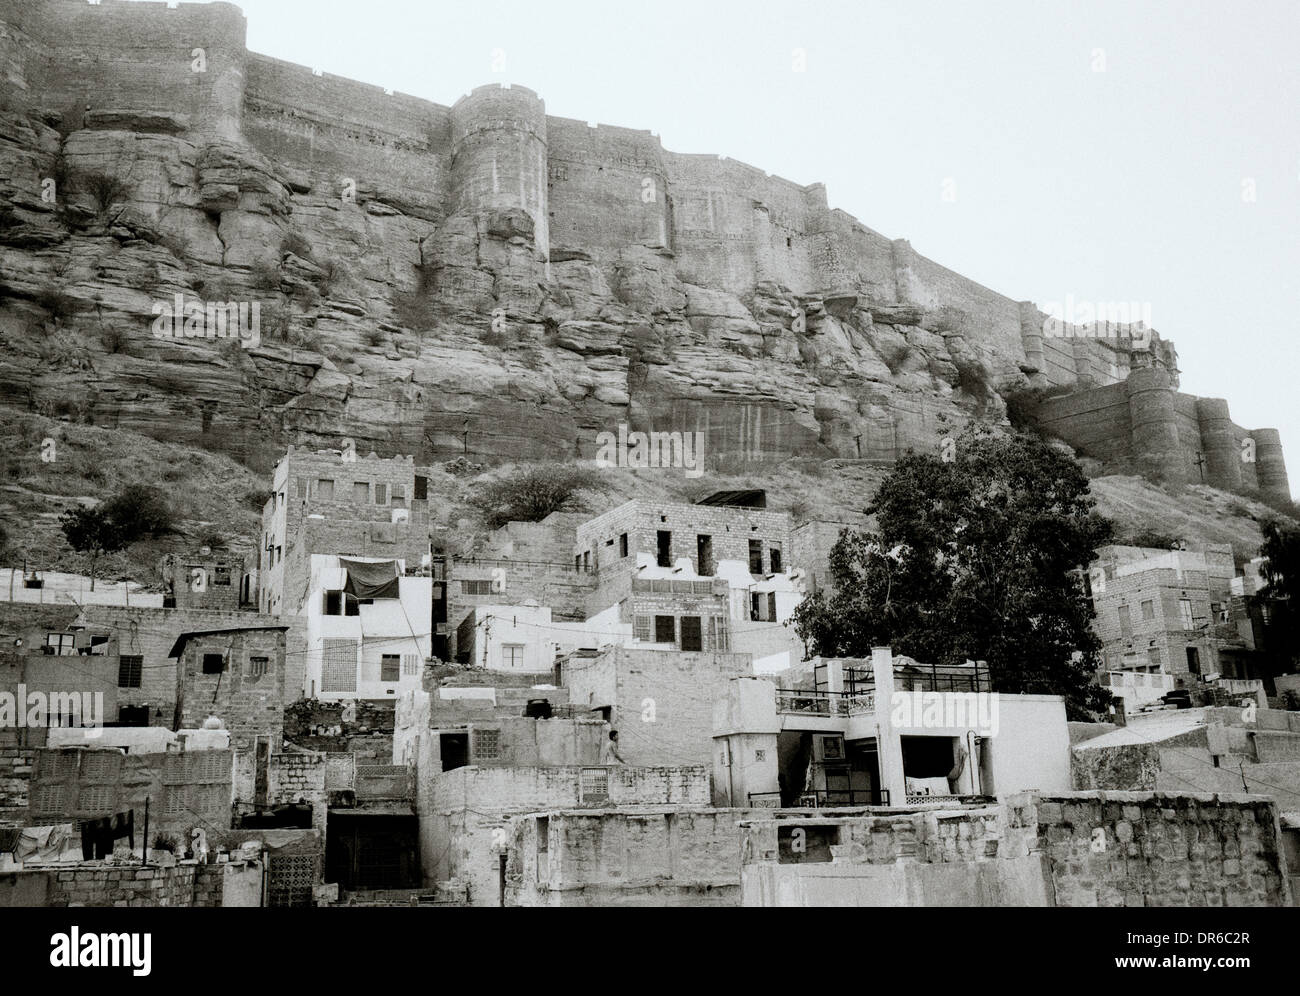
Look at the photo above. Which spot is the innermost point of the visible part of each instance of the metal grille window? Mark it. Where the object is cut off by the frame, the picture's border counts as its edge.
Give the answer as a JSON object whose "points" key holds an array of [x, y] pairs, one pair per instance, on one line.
{"points": [[390, 667], [476, 587], [339, 667], [410, 664], [258, 666], [130, 670], [100, 766], [49, 800], [594, 786], [95, 799], [641, 628], [720, 633], [381, 494], [487, 745]]}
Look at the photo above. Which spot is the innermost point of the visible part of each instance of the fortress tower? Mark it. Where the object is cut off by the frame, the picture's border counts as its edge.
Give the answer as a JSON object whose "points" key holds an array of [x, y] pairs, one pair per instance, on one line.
{"points": [[1270, 468], [1154, 420], [1219, 444], [499, 156]]}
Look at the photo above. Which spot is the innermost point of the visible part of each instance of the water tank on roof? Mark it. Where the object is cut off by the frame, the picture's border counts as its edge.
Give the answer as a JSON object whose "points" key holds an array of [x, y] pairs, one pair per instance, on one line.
{"points": [[538, 709]]}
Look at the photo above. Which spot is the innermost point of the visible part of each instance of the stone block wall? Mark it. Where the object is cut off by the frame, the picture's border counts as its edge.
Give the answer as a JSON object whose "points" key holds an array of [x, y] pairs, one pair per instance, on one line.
{"points": [[1067, 849], [16, 767]]}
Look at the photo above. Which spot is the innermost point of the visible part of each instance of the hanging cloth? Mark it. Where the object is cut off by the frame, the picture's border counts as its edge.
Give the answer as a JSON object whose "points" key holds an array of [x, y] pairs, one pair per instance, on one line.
{"points": [[371, 580]]}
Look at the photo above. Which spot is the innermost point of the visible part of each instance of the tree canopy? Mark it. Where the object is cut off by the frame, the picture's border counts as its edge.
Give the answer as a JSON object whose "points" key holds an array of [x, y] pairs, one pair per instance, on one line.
{"points": [[977, 557]]}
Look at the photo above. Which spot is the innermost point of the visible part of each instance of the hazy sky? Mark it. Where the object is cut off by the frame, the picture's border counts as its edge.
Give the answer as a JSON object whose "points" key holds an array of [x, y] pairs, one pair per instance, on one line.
{"points": [[1170, 177]]}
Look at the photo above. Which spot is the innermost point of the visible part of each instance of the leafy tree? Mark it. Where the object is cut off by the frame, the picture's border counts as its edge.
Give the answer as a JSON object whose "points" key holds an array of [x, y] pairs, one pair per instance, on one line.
{"points": [[1281, 569], [133, 513], [973, 558], [139, 511], [93, 531], [532, 493]]}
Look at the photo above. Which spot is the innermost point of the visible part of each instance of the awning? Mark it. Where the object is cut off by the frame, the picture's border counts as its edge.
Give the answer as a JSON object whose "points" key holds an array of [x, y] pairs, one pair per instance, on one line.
{"points": [[371, 580]]}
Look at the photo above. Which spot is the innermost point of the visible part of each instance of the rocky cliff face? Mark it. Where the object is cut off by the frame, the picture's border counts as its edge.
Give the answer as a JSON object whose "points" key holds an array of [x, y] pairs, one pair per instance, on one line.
{"points": [[414, 332]]}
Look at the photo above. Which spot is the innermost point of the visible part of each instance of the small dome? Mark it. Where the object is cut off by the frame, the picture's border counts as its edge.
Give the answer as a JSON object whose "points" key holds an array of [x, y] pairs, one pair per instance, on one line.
{"points": [[213, 723]]}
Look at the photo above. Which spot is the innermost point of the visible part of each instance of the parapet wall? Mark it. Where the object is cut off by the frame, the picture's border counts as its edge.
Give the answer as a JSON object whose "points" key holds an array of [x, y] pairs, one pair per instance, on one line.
{"points": [[1069, 849]]}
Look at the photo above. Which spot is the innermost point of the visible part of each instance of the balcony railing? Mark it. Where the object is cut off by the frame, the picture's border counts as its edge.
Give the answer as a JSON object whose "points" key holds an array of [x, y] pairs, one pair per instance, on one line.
{"points": [[821, 799], [803, 703]]}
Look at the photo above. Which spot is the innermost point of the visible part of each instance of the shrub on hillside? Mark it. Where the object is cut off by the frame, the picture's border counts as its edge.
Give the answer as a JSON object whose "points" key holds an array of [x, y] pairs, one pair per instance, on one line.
{"points": [[530, 494]]}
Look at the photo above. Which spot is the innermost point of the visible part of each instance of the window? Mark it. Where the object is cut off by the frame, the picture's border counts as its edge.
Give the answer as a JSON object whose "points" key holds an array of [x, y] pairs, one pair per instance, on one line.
{"points": [[325, 490], [213, 663], [1185, 613], [594, 785], [641, 629], [476, 587], [1154, 657], [664, 539], [361, 492], [390, 667], [1148, 609], [1125, 621], [221, 575], [719, 633], [755, 556], [333, 603], [622, 545], [691, 636], [421, 488], [96, 799], [258, 666], [487, 745], [98, 646], [61, 644], [381, 494], [132, 715], [665, 629], [410, 664], [760, 755], [130, 667], [399, 496], [512, 655], [775, 554]]}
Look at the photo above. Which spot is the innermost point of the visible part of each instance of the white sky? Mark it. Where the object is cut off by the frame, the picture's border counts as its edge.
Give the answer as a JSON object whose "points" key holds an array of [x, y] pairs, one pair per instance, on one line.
{"points": [[1125, 184]]}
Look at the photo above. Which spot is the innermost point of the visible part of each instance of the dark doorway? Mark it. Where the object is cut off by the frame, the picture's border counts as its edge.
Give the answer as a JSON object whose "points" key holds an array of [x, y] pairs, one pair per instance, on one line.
{"points": [[133, 715], [1193, 660], [704, 555], [455, 750], [755, 556], [372, 851], [665, 539], [691, 633], [665, 629]]}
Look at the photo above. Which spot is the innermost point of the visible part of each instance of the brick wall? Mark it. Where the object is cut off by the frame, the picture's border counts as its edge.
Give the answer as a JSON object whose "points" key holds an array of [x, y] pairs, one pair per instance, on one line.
{"points": [[16, 765], [662, 699], [250, 704], [185, 884]]}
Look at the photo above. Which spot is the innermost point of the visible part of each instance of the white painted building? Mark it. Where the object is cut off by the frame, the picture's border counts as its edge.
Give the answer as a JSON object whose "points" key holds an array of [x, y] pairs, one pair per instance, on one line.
{"points": [[364, 647]]}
